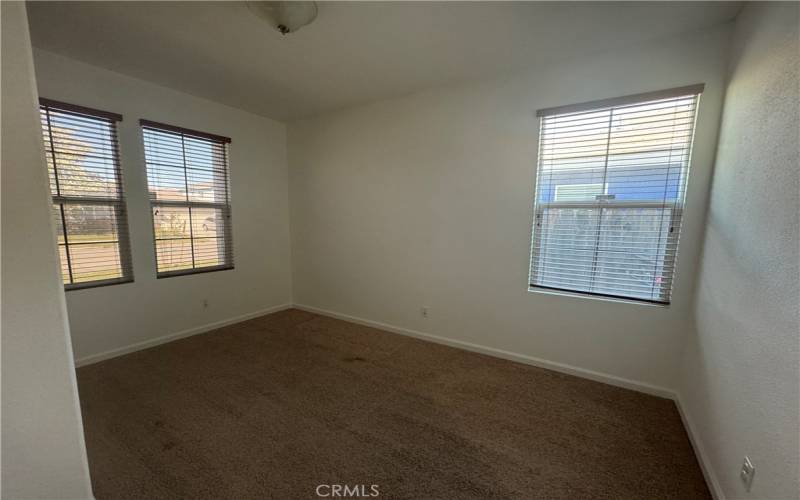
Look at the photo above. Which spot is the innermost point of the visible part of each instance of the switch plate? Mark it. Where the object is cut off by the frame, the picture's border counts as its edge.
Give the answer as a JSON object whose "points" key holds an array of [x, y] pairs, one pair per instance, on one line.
{"points": [[747, 473]]}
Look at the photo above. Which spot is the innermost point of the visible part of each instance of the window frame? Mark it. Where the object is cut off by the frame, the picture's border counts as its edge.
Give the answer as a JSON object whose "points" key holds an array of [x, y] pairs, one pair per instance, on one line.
{"points": [[119, 204], [604, 202], [225, 208], [672, 238]]}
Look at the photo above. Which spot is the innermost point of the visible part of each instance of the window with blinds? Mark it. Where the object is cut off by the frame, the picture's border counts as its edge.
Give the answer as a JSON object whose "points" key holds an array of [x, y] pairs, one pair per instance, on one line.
{"points": [[610, 189], [187, 176], [88, 202]]}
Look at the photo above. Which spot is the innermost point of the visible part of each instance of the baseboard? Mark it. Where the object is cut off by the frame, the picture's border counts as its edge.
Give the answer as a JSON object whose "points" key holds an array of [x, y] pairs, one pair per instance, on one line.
{"points": [[113, 353], [700, 452], [499, 353]]}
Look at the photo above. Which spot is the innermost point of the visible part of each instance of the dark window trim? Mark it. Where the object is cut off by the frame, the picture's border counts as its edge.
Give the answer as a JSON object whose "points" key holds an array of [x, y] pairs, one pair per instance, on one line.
{"points": [[83, 110], [97, 284], [197, 270], [183, 131]]}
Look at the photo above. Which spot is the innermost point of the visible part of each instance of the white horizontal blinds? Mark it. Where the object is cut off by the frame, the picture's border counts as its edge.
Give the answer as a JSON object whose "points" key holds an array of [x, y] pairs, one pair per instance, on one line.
{"points": [[82, 155], [609, 198], [187, 176]]}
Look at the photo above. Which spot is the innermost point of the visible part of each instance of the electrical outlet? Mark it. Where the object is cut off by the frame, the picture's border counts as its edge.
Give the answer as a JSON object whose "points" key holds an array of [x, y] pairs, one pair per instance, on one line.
{"points": [[747, 473], [423, 311], [205, 303]]}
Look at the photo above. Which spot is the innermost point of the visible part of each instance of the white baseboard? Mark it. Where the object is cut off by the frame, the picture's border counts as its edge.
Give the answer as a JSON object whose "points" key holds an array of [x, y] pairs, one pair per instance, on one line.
{"points": [[700, 452], [138, 346], [499, 353]]}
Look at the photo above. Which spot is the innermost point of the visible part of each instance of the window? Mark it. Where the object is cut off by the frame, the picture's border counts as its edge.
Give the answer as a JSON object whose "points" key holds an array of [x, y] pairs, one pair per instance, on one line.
{"points": [[187, 176], [610, 189], [88, 203]]}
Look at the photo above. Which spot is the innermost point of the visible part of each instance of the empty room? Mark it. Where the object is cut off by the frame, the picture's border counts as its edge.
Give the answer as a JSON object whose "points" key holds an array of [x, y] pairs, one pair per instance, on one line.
{"points": [[403, 250]]}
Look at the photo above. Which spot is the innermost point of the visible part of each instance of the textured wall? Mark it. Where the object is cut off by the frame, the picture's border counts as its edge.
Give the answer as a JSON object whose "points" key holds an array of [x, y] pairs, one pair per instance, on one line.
{"points": [[43, 452], [741, 374]]}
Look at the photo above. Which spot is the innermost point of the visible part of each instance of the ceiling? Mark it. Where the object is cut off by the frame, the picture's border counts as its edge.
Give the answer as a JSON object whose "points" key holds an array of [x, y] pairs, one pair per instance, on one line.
{"points": [[355, 52]]}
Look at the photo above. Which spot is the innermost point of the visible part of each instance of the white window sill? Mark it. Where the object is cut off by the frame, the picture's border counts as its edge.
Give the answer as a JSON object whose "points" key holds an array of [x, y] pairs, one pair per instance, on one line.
{"points": [[578, 295]]}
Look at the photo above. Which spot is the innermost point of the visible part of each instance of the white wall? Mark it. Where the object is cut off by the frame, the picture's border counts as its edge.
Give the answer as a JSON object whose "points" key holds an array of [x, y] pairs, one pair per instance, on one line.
{"points": [[42, 442], [109, 318], [426, 200], [741, 375]]}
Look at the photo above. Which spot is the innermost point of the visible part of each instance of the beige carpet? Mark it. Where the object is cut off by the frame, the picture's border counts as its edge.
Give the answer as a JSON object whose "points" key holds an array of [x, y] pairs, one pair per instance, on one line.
{"points": [[275, 406]]}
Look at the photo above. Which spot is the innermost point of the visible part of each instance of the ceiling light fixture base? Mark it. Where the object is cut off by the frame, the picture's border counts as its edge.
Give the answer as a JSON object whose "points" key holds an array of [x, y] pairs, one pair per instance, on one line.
{"points": [[286, 17]]}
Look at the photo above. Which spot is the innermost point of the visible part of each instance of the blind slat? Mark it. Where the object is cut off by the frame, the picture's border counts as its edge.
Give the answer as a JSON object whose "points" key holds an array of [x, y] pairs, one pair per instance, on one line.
{"points": [[610, 187]]}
